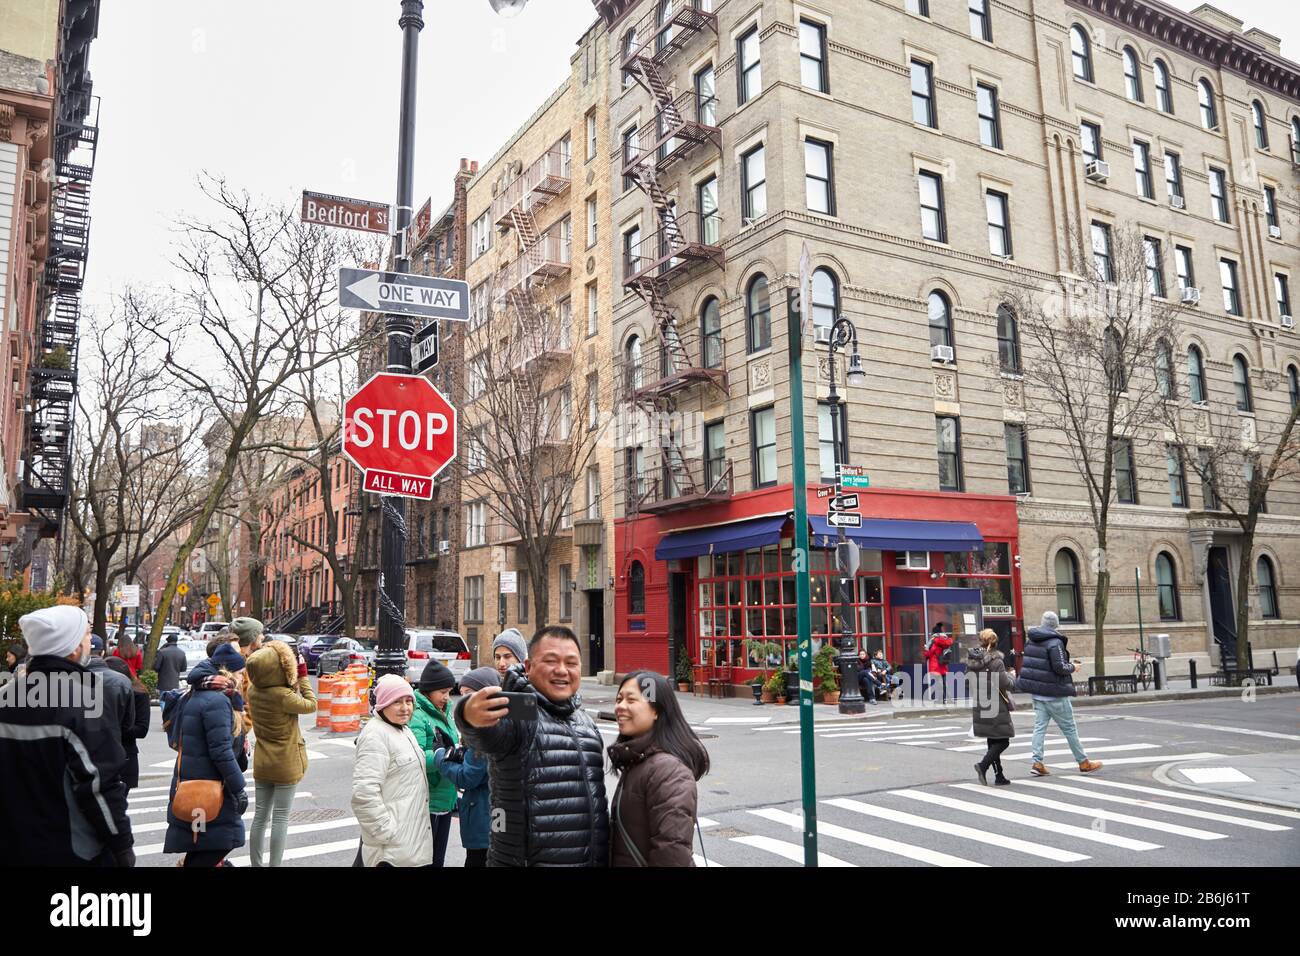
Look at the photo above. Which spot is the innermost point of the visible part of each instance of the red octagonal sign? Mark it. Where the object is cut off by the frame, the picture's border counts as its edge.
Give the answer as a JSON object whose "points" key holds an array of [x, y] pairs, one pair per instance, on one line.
{"points": [[400, 431]]}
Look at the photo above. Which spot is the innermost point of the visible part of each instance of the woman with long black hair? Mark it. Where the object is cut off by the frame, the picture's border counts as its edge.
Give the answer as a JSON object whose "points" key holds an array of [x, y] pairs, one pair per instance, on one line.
{"points": [[659, 757]]}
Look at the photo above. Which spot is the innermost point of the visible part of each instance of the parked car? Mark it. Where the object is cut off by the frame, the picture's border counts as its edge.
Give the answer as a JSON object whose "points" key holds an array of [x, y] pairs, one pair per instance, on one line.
{"points": [[344, 652], [195, 651], [210, 629], [289, 639], [423, 646], [314, 645]]}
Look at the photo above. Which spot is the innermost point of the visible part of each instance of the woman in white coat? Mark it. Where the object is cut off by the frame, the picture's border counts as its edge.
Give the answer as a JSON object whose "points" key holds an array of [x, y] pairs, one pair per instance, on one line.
{"points": [[390, 790]]}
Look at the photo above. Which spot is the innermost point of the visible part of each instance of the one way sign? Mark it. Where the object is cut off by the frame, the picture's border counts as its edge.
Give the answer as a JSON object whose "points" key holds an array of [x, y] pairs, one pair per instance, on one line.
{"points": [[404, 294]]}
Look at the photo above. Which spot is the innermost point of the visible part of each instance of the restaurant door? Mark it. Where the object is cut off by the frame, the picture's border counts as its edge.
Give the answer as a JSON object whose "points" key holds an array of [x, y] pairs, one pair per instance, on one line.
{"points": [[913, 614]]}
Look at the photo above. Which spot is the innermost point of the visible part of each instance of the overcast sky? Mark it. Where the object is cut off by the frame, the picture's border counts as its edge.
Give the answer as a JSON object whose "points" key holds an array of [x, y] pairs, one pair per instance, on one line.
{"points": [[281, 95]]}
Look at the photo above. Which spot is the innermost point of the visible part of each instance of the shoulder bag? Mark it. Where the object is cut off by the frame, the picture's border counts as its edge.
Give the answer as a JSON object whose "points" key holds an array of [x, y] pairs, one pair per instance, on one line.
{"points": [[197, 801]]}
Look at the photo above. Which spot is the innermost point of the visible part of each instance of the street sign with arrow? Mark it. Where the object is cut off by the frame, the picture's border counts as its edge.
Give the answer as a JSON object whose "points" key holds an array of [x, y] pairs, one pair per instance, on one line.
{"points": [[844, 503], [398, 292], [844, 519], [424, 348]]}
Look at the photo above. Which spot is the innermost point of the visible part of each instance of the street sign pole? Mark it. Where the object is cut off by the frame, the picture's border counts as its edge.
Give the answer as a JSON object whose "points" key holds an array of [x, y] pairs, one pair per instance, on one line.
{"points": [[851, 701], [803, 587]]}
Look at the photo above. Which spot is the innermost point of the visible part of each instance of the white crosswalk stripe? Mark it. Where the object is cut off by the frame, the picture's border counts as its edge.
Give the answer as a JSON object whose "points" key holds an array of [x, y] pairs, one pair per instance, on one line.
{"points": [[849, 725], [1051, 741], [877, 843], [1174, 794], [134, 810], [1162, 807], [298, 830], [1091, 750], [303, 852], [1154, 758], [700, 861], [791, 851]]}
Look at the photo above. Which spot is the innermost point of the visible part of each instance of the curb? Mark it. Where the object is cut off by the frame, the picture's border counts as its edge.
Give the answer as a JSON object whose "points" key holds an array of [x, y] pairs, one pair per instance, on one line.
{"points": [[1161, 773]]}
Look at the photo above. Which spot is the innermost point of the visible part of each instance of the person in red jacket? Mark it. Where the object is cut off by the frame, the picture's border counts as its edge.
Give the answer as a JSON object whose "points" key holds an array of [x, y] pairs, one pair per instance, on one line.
{"points": [[934, 663], [130, 652]]}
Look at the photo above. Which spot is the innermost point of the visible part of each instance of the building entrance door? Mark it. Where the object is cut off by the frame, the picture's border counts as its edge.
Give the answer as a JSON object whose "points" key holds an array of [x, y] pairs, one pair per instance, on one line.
{"points": [[678, 610], [595, 632], [1222, 607]]}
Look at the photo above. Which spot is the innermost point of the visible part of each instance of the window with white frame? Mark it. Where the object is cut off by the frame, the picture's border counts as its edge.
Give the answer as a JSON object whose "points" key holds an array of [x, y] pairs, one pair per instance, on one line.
{"points": [[593, 309], [474, 599], [591, 136], [593, 225], [478, 305], [480, 236], [593, 493], [812, 56], [593, 401], [475, 524]]}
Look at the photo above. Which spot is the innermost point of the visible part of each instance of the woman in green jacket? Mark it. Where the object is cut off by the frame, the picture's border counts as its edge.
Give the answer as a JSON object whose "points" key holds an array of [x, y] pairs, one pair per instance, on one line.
{"points": [[434, 728], [278, 693]]}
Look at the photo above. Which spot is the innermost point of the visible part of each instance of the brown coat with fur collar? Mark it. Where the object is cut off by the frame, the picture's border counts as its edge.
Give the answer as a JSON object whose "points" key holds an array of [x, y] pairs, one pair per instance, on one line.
{"points": [[278, 697]]}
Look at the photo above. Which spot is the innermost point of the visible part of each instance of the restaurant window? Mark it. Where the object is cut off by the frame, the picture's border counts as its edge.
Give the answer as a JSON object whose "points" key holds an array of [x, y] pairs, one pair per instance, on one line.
{"points": [[989, 570], [1167, 588], [1068, 603]]}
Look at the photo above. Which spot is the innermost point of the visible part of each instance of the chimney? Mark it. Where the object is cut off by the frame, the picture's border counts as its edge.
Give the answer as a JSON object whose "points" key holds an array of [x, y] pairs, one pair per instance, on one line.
{"points": [[1207, 13], [1266, 40]]}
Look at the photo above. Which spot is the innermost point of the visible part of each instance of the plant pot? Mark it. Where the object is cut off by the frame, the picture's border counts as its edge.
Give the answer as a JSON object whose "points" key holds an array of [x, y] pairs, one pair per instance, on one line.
{"points": [[780, 698], [683, 686], [831, 697], [768, 697], [791, 685], [757, 690]]}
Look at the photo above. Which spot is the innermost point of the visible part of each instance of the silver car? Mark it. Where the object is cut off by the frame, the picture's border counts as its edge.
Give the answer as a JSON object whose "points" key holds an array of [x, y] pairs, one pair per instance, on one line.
{"points": [[344, 652]]}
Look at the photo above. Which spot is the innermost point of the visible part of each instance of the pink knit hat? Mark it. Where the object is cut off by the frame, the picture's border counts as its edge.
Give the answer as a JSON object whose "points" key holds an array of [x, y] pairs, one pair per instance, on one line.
{"points": [[390, 689]]}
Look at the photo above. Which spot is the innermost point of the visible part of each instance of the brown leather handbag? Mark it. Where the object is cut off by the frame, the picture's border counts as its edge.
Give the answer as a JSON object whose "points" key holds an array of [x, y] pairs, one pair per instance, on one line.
{"points": [[195, 801]]}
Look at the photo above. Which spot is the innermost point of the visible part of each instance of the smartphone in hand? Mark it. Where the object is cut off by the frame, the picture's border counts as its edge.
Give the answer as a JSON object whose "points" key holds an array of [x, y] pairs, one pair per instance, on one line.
{"points": [[522, 706]]}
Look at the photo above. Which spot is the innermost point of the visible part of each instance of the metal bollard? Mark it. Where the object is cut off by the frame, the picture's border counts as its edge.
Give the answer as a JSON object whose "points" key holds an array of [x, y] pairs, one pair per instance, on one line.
{"points": [[1158, 669], [1191, 672]]}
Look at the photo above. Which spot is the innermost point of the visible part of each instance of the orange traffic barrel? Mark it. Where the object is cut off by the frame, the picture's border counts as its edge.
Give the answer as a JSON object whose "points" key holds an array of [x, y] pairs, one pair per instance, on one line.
{"points": [[345, 708], [324, 698]]}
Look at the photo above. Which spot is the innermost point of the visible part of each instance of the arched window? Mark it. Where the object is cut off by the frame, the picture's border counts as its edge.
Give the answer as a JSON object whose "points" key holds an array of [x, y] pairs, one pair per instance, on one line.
{"points": [[711, 334], [1167, 588], [1261, 124], [1164, 98], [1267, 587], [1132, 75], [1241, 384], [1195, 374], [1209, 114], [1165, 369], [632, 353], [629, 44], [1068, 603], [1113, 356], [664, 23], [825, 298], [1008, 339], [758, 314], [1293, 384], [1081, 53], [636, 589], [940, 320]]}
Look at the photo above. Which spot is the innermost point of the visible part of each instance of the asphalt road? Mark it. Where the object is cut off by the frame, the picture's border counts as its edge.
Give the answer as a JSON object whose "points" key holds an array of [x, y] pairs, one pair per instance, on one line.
{"points": [[897, 791]]}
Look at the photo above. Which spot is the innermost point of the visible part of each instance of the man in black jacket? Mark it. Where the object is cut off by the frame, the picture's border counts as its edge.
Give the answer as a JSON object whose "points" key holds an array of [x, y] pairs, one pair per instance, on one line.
{"points": [[1046, 674], [546, 774], [62, 801], [170, 665]]}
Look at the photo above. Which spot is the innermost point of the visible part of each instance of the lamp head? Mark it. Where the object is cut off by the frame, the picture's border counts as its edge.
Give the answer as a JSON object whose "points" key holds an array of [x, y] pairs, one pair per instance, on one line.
{"points": [[508, 8], [856, 375]]}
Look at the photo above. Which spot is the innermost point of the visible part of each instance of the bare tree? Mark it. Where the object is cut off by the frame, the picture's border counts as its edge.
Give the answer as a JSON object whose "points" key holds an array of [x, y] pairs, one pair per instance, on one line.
{"points": [[1093, 356]]}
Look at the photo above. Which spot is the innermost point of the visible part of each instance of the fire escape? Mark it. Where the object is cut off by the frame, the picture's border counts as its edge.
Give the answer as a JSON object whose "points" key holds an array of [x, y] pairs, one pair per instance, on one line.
{"points": [[679, 359]]}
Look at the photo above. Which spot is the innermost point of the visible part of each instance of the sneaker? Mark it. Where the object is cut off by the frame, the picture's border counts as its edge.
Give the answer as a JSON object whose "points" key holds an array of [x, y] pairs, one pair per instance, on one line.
{"points": [[1039, 770], [1001, 781], [983, 773], [1088, 766]]}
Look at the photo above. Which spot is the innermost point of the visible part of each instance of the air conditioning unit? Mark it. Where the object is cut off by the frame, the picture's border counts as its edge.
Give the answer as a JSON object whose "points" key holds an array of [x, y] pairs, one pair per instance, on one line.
{"points": [[822, 334], [1288, 322], [912, 560], [1275, 232], [1097, 170], [941, 353], [1178, 202], [1191, 296], [444, 547]]}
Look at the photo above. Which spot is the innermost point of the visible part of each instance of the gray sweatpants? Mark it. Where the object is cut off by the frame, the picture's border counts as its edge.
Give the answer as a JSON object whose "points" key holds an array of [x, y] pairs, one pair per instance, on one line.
{"points": [[274, 800]]}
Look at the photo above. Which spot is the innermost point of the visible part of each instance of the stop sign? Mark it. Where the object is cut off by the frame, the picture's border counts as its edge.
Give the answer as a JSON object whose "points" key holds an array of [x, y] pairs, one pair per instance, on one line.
{"points": [[400, 431]]}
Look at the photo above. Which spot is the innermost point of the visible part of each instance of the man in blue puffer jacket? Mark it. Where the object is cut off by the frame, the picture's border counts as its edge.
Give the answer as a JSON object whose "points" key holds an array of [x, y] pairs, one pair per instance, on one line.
{"points": [[1045, 675]]}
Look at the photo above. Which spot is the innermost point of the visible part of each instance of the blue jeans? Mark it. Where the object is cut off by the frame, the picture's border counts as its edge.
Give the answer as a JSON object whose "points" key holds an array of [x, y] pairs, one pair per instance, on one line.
{"points": [[1059, 710]]}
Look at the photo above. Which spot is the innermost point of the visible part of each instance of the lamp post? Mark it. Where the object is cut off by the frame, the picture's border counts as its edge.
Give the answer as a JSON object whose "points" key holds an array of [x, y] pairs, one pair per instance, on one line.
{"points": [[843, 333]]}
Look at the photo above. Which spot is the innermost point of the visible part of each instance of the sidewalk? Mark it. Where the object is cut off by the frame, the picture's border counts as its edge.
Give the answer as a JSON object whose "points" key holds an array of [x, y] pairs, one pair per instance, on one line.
{"points": [[1272, 778]]}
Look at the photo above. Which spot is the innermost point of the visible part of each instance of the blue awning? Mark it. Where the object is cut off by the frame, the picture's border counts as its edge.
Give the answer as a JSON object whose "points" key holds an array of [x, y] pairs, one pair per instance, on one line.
{"points": [[886, 534], [721, 538]]}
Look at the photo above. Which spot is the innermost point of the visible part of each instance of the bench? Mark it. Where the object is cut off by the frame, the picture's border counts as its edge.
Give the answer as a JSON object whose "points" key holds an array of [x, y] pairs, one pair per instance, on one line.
{"points": [[1116, 684], [1235, 677]]}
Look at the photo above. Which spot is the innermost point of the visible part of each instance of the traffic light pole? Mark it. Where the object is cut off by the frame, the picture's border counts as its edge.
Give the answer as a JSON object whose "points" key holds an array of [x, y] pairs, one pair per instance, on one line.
{"points": [[390, 657]]}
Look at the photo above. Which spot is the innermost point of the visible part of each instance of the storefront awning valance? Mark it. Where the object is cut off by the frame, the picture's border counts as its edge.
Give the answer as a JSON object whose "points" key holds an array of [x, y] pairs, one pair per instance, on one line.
{"points": [[884, 534], [719, 539]]}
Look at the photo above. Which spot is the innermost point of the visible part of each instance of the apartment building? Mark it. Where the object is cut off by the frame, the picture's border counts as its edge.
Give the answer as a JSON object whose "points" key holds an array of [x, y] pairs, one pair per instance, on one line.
{"points": [[931, 155]]}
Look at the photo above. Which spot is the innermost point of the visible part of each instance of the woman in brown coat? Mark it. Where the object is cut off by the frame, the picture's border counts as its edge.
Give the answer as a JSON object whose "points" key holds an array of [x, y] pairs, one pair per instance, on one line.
{"points": [[991, 712], [652, 819]]}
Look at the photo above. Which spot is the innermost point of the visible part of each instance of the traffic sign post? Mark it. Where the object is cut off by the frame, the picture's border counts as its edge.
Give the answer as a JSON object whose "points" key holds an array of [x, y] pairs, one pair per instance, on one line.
{"points": [[401, 432], [399, 293], [424, 347]]}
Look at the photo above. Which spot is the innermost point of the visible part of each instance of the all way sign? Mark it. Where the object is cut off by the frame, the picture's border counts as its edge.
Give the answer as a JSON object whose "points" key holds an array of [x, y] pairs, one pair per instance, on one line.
{"points": [[404, 294]]}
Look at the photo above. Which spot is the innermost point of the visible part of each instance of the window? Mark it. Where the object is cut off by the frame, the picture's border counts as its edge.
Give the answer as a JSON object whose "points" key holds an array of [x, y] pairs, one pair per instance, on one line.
{"points": [[593, 225], [566, 592], [1008, 340], [920, 7], [474, 599], [1114, 359], [477, 448], [1293, 385], [940, 320], [1173, 177], [1195, 374], [636, 588], [1209, 114], [628, 45], [1081, 53], [632, 359], [591, 136], [1167, 588], [826, 426], [710, 216], [1164, 99], [986, 104], [1218, 194], [1165, 369], [480, 236], [1282, 291], [1270, 206], [1228, 279], [812, 56], [522, 596], [1142, 168], [664, 36], [933, 225], [1295, 141], [1101, 252], [753, 172], [593, 493], [1090, 138], [478, 306], [923, 94], [825, 298], [1177, 476], [715, 453], [1132, 75], [948, 439], [631, 146], [1206, 470], [750, 72], [1241, 384], [478, 376], [634, 471], [711, 334], [996, 205], [758, 314], [1183, 264], [593, 309], [1248, 476], [564, 413], [981, 26], [706, 97], [762, 426], [1125, 476], [1261, 124], [631, 252], [593, 401], [1267, 588], [475, 524], [1017, 460], [819, 184], [1155, 266]]}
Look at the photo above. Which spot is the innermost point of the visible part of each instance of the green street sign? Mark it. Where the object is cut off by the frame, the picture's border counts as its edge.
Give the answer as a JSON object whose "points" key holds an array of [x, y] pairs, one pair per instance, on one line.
{"points": [[855, 481]]}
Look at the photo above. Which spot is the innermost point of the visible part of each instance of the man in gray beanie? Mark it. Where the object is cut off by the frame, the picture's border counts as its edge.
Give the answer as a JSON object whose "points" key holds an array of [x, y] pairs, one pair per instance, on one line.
{"points": [[508, 648], [1045, 674]]}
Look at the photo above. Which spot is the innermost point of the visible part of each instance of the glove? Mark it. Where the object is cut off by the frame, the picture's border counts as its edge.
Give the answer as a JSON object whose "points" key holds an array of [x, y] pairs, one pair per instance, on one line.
{"points": [[302, 668], [241, 801], [124, 856], [456, 755], [439, 754]]}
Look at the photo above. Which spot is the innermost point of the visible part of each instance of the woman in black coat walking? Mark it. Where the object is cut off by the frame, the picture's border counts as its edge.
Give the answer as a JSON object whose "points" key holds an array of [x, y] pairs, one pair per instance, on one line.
{"points": [[139, 729], [991, 712]]}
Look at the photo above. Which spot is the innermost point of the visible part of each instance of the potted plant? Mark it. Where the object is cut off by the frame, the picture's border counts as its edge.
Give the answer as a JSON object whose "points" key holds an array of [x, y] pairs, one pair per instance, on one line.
{"points": [[683, 669], [827, 674], [761, 651], [774, 688]]}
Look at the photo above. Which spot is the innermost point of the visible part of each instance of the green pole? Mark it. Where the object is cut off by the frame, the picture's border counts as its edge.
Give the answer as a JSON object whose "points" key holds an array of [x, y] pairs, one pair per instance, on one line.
{"points": [[803, 588]]}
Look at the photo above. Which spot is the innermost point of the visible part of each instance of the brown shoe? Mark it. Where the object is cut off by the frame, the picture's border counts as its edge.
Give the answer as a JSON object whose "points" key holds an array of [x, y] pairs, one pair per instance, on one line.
{"points": [[1088, 766], [1038, 770]]}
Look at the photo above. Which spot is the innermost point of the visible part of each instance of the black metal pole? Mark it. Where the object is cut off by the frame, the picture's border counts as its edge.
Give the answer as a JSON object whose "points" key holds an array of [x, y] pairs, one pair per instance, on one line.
{"points": [[390, 656], [851, 701]]}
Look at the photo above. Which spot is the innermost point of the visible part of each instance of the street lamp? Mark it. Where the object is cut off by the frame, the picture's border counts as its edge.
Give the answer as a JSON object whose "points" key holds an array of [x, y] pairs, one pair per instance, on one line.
{"points": [[844, 333], [508, 8]]}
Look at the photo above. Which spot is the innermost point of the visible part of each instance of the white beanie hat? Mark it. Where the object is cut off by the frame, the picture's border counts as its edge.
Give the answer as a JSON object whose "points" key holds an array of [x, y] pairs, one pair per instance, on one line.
{"points": [[56, 631]]}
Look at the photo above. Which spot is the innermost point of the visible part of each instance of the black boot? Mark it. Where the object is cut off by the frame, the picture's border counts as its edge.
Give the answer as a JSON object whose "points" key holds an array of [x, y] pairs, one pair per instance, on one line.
{"points": [[982, 769], [999, 779]]}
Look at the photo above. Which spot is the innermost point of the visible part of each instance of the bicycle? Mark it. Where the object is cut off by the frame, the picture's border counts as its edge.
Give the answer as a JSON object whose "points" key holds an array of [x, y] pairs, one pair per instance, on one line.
{"points": [[1143, 670]]}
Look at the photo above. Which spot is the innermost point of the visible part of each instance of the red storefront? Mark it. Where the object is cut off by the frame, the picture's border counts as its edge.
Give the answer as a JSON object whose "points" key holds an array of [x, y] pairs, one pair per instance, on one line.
{"points": [[720, 577]]}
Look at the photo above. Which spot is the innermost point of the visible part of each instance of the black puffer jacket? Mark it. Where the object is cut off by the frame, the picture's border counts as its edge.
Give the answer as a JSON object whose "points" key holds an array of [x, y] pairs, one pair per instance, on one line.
{"points": [[1045, 669], [547, 781]]}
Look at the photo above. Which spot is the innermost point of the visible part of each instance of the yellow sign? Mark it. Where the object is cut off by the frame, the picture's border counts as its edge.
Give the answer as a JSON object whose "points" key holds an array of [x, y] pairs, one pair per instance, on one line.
{"points": [[213, 600], [183, 589]]}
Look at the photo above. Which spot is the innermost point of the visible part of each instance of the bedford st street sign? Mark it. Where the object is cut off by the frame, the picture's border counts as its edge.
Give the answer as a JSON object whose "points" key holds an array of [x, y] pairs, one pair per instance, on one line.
{"points": [[322, 209], [404, 294]]}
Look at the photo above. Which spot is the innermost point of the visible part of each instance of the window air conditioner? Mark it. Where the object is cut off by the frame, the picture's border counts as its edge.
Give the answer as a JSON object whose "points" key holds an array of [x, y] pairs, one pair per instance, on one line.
{"points": [[444, 547], [1178, 202], [822, 333], [941, 353], [1275, 232], [1191, 296], [912, 560], [1097, 170], [1288, 322]]}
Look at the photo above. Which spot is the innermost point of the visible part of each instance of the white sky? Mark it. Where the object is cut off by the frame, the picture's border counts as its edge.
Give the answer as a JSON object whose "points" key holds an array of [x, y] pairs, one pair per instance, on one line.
{"points": [[282, 95]]}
